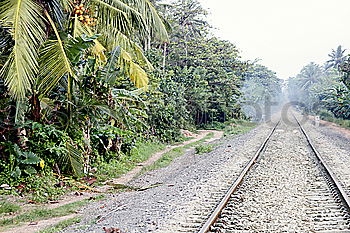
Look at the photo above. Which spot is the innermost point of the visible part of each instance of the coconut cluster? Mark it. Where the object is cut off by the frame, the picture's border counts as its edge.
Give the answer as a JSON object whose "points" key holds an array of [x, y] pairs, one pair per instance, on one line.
{"points": [[84, 14]]}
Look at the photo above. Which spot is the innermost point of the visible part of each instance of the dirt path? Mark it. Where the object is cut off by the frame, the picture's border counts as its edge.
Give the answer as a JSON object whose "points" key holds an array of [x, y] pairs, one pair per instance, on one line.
{"points": [[70, 198], [40, 225], [345, 132], [134, 172]]}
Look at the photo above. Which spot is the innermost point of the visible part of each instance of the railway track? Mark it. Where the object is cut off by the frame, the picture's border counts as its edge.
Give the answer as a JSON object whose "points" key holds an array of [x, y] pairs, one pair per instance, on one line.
{"points": [[286, 187]]}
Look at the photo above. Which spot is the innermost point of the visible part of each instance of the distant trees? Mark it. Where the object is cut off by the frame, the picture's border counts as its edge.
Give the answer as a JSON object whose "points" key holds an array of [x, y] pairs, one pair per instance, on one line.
{"points": [[210, 69], [337, 57], [319, 89], [309, 75], [262, 89]]}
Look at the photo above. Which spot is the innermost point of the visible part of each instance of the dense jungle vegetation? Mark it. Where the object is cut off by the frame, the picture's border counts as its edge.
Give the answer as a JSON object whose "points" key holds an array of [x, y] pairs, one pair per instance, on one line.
{"points": [[86, 85], [324, 89]]}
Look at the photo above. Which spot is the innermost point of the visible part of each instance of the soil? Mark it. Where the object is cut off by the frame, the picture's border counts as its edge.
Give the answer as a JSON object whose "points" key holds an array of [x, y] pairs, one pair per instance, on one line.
{"points": [[72, 197], [183, 185], [344, 131]]}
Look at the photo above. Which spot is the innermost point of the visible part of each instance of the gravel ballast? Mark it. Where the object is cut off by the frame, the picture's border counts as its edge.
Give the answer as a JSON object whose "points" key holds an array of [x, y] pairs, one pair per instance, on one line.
{"points": [[186, 186], [334, 148], [191, 182], [286, 191]]}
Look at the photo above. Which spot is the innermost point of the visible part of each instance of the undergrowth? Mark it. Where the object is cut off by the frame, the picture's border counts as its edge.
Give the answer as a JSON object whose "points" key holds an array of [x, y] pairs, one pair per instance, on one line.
{"points": [[43, 213], [328, 116], [232, 127], [117, 167], [61, 225], [38, 188], [8, 207], [341, 122], [201, 149], [238, 127], [168, 157]]}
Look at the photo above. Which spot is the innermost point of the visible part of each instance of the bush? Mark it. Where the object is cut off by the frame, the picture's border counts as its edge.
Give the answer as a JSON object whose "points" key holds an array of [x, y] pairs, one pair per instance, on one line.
{"points": [[325, 114], [38, 188], [7, 207], [54, 146], [201, 149]]}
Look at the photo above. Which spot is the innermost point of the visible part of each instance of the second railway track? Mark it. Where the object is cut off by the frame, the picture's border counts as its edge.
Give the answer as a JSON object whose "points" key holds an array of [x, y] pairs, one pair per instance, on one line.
{"points": [[285, 188]]}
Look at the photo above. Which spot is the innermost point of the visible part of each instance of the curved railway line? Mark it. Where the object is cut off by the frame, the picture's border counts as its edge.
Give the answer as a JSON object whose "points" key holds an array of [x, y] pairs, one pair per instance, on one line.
{"points": [[319, 202]]}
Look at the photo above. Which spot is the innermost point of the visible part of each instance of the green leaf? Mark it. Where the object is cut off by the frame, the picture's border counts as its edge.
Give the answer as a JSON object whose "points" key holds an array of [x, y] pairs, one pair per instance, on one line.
{"points": [[76, 46], [73, 158], [29, 170], [24, 20], [16, 173], [30, 158]]}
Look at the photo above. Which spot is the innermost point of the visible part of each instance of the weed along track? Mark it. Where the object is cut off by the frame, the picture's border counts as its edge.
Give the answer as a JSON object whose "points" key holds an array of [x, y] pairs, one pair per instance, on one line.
{"points": [[286, 187]]}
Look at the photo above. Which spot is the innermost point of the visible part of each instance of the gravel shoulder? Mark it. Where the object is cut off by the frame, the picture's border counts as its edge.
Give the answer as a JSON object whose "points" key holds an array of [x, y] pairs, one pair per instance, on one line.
{"points": [[333, 144], [185, 186]]}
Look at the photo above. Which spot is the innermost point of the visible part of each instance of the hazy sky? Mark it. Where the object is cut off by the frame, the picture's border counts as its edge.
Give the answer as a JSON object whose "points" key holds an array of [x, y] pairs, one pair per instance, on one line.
{"points": [[284, 34]]}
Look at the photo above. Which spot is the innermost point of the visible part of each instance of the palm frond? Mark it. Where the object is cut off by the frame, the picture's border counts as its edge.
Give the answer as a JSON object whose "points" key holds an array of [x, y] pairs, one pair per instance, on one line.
{"points": [[56, 11], [137, 75], [110, 68], [121, 62], [156, 25], [54, 62], [73, 158], [21, 109], [66, 4], [115, 14], [24, 22], [98, 50], [132, 48], [54, 65]]}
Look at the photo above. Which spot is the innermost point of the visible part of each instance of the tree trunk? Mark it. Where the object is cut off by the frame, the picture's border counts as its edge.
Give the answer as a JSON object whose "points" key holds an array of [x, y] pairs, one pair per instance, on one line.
{"points": [[164, 56], [35, 108]]}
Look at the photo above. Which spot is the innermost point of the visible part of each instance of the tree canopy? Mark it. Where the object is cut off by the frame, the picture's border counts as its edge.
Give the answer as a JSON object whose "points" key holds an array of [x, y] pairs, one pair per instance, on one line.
{"points": [[83, 82]]}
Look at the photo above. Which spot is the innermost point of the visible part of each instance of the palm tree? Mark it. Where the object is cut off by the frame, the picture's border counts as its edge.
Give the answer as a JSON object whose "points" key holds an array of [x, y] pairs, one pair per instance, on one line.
{"points": [[40, 31], [40, 41], [337, 57], [309, 75]]}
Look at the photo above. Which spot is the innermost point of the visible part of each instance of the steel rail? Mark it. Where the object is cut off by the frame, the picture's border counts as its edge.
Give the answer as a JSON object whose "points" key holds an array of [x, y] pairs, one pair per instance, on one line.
{"points": [[215, 214], [342, 194]]}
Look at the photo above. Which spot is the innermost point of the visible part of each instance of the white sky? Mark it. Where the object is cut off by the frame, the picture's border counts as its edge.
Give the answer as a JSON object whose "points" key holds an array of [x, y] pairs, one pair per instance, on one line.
{"points": [[284, 34]]}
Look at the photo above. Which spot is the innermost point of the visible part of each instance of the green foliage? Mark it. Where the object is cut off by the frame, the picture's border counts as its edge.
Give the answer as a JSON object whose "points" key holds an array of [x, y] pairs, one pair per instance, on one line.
{"points": [[20, 162], [238, 127], [318, 89], [43, 213], [39, 188], [338, 121], [8, 207], [215, 125], [53, 146], [115, 168], [167, 112], [201, 149], [337, 100], [61, 225], [90, 96]]}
